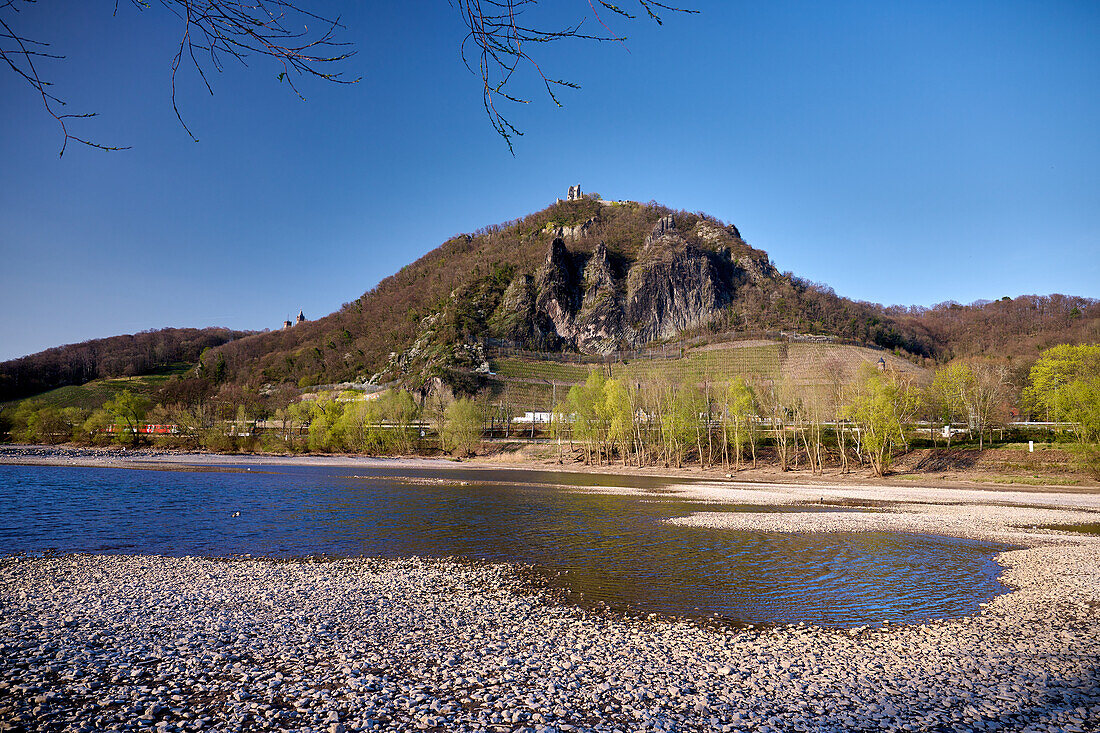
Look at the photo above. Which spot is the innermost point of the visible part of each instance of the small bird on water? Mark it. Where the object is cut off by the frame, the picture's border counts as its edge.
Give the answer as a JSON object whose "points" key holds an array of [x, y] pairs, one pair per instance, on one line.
{"points": [[236, 514]]}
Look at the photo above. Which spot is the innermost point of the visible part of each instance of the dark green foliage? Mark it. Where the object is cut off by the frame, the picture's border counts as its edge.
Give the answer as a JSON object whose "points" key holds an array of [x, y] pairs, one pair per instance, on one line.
{"points": [[466, 316]]}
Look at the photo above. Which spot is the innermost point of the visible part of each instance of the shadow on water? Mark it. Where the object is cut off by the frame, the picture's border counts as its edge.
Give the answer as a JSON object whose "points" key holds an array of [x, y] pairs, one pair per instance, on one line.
{"points": [[598, 547]]}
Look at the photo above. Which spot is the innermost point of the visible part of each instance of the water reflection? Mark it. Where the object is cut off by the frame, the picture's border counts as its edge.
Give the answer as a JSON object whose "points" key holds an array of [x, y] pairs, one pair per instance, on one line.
{"points": [[600, 547]]}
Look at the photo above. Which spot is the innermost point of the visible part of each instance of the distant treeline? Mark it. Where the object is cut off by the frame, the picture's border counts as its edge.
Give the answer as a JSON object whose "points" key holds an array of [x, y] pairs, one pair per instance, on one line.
{"points": [[117, 356], [825, 420], [1009, 328]]}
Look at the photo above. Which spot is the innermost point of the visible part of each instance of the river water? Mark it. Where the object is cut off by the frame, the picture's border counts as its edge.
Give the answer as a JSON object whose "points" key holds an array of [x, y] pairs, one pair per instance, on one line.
{"points": [[598, 547]]}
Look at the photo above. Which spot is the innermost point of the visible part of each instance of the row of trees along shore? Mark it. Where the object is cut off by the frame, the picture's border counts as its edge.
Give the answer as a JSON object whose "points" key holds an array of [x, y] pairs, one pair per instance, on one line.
{"points": [[818, 420]]}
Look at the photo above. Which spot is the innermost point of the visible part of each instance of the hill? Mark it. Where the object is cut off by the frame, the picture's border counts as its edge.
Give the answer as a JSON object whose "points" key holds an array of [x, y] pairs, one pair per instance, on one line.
{"points": [[91, 395], [586, 276], [147, 352], [583, 279], [563, 280]]}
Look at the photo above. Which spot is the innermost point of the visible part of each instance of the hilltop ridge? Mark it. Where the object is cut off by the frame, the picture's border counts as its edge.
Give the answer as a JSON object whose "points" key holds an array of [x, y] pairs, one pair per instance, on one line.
{"points": [[582, 275], [586, 276]]}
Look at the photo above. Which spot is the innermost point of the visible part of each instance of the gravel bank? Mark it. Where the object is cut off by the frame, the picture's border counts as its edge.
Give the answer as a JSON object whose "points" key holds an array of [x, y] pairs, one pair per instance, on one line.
{"points": [[1008, 524], [141, 643], [871, 495], [157, 459]]}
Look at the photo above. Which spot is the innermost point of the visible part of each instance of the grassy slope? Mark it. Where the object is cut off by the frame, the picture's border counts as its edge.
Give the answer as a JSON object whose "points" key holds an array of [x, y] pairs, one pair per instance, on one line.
{"points": [[527, 383], [92, 395]]}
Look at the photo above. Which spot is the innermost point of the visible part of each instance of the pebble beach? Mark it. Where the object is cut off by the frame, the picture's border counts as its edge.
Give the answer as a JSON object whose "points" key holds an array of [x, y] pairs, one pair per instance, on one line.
{"points": [[113, 642]]}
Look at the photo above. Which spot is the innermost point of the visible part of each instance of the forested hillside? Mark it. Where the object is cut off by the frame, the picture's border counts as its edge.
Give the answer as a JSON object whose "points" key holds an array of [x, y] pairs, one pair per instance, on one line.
{"points": [[580, 275], [462, 283], [1009, 328], [464, 279], [116, 356]]}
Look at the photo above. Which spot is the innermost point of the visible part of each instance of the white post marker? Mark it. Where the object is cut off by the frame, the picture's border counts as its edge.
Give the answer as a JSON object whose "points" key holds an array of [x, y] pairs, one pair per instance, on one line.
{"points": [[1031, 446]]}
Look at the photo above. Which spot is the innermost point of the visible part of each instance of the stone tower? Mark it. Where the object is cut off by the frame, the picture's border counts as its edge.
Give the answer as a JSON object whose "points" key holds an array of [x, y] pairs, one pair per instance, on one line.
{"points": [[301, 317], [574, 193]]}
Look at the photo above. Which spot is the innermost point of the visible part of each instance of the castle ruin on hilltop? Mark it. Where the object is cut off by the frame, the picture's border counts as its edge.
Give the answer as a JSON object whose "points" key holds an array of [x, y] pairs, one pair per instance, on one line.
{"points": [[575, 194], [301, 319]]}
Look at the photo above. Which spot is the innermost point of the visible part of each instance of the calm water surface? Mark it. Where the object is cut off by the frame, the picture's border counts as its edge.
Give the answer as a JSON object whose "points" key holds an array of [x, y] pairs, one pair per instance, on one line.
{"points": [[600, 547]]}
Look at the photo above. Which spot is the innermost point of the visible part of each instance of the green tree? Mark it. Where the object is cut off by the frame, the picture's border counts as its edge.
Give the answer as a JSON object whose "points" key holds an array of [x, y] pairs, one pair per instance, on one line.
{"points": [[619, 412], [5, 423], [127, 411], [94, 428], [975, 389], [1064, 386], [881, 406], [73, 419], [465, 422], [298, 418], [586, 405], [45, 425], [401, 413], [23, 425], [949, 384], [324, 424], [740, 423], [680, 421], [1060, 386], [360, 426]]}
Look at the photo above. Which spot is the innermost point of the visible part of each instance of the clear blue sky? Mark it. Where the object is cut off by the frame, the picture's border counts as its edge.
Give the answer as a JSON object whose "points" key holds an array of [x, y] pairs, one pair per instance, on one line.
{"points": [[901, 152]]}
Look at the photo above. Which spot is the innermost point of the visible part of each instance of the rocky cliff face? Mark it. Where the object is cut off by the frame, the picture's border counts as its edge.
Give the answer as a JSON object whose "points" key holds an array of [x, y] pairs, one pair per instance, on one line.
{"points": [[673, 287], [556, 288], [599, 323], [582, 301]]}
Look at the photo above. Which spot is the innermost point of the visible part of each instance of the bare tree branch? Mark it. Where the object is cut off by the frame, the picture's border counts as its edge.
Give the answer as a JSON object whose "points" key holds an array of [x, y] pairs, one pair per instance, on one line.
{"points": [[237, 29], [499, 42], [496, 45], [20, 59], [212, 30]]}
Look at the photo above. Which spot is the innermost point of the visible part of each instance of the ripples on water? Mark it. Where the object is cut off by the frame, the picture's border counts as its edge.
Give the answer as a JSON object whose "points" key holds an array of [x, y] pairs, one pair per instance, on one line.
{"points": [[600, 547]]}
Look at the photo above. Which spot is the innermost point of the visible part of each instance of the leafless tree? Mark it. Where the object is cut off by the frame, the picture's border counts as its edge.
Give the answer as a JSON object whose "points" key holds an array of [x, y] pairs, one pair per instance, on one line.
{"points": [[212, 32], [499, 42], [304, 43]]}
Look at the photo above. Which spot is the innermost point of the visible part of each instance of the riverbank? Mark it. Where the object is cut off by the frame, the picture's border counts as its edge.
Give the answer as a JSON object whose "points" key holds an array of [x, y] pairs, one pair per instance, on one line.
{"points": [[188, 644], [993, 470]]}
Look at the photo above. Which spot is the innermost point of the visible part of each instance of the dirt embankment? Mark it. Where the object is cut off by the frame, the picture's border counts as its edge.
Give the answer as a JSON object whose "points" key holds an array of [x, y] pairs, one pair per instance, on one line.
{"points": [[1045, 468], [1049, 468]]}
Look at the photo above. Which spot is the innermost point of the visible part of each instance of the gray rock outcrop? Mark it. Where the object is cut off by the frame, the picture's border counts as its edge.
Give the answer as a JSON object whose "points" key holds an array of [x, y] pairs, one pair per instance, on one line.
{"points": [[757, 270], [519, 320], [711, 235], [674, 286], [599, 324], [665, 227], [589, 303], [575, 232], [556, 285]]}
